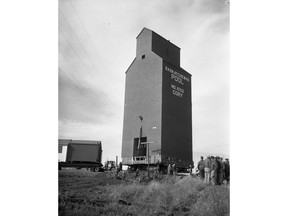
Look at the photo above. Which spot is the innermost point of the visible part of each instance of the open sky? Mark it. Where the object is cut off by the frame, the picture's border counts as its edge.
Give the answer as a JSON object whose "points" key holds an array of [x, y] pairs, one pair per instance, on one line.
{"points": [[97, 43]]}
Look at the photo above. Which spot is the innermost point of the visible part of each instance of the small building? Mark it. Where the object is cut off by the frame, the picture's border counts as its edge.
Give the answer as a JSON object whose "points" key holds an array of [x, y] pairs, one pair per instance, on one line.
{"points": [[75, 151]]}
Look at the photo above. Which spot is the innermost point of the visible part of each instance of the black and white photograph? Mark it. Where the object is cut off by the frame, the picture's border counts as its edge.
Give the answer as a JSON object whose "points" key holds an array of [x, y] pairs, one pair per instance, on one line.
{"points": [[143, 107]]}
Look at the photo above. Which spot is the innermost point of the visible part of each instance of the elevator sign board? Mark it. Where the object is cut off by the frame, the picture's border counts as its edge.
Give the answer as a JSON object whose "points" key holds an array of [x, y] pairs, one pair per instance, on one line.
{"points": [[178, 81], [176, 111]]}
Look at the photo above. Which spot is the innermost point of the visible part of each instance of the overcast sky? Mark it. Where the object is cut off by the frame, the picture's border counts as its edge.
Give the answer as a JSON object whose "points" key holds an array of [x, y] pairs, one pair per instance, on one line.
{"points": [[97, 43]]}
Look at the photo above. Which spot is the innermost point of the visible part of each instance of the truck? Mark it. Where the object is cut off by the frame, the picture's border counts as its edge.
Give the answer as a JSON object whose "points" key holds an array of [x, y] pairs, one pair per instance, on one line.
{"points": [[80, 154]]}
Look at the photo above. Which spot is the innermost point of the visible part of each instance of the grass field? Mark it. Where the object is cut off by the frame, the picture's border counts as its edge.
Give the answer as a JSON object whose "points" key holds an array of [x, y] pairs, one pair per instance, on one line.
{"points": [[87, 193]]}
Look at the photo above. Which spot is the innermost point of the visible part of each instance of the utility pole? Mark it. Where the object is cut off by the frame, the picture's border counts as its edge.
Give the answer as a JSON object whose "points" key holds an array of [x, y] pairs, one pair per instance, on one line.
{"points": [[147, 154]]}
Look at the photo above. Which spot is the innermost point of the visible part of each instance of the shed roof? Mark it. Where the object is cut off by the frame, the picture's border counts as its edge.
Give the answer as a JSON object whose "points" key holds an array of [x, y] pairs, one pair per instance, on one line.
{"points": [[64, 142], [85, 142]]}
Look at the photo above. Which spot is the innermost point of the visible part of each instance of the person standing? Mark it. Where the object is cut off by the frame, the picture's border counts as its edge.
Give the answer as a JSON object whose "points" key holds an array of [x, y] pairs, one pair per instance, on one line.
{"points": [[207, 170], [227, 170], [218, 171], [200, 167], [137, 173], [213, 171], [221, 174], [169, 169], [174, 169]]}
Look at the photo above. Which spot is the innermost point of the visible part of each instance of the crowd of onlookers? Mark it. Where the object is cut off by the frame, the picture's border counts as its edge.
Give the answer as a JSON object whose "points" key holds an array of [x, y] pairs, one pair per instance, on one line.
{"points": [[214, 170]]}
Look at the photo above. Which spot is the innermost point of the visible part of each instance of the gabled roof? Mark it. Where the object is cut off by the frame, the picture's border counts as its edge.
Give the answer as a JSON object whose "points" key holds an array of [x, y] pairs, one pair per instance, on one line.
{"points": [[158, 35], [143, 30]]}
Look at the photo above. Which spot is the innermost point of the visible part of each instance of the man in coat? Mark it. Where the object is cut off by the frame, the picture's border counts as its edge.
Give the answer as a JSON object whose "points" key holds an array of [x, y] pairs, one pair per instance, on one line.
{"points": [[207, 170], [200, 167]]}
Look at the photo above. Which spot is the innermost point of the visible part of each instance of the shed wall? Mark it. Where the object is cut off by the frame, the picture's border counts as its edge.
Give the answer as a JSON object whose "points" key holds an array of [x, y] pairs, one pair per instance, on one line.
{"points": [[84, 152], [63, 154]]}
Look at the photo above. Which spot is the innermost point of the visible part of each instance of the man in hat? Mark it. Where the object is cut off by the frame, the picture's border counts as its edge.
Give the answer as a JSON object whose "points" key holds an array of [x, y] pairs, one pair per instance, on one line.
{"points": [[227, 170], [222, 169], [174, 169], [169, 169], [200, 167], [218, 171], [207, 170], [213, 170]]}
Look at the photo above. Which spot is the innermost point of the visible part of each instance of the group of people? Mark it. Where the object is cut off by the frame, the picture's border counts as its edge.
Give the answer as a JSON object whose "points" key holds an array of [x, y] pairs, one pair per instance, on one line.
{"points": [[171, 170], [214, 170]]}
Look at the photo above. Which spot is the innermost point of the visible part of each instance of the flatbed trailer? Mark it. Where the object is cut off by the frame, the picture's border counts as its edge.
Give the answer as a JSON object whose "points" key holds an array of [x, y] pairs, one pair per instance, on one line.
{"points": [[95, 167]]}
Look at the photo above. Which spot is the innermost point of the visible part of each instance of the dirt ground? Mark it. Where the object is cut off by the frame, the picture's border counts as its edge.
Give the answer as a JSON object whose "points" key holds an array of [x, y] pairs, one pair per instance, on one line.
{"points": [[78, 188]]}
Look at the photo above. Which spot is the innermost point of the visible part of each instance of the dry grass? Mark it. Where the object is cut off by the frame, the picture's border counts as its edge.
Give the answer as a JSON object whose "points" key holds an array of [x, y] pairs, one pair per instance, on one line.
{"points": [[174, 195], [186, 196]]}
